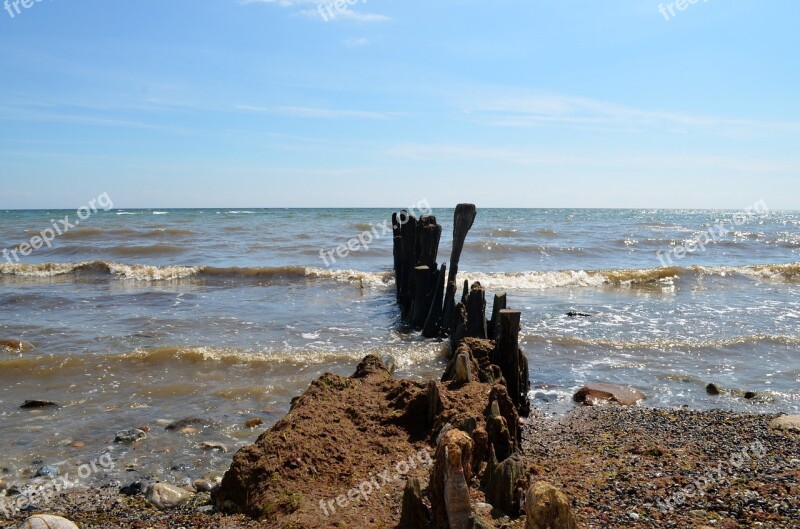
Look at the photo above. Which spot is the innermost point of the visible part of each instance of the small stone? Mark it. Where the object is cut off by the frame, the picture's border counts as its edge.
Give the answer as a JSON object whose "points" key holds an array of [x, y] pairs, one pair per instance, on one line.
{"points": [[164, 497], [252, 423], [712, 389], [204, 485], [78, 444], [133, 489], [144, 428], [3, 485], [185, 423], [633, 516], [786, 423], [66, 442], [208, 445], [189, 431], [47, 521], [47, 471], [35, 404], [130, 436], [750, 395]]}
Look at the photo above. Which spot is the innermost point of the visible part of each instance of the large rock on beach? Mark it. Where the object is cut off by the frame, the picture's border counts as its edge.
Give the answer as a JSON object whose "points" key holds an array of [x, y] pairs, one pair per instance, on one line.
{"points": [[164, 497], [600, 393], [47, 521], [15, 346], [786, 424], [548, 508]]}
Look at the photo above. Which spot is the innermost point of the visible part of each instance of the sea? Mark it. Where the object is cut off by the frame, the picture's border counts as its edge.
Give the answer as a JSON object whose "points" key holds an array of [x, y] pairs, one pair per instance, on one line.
{"points": [[142, 317]]}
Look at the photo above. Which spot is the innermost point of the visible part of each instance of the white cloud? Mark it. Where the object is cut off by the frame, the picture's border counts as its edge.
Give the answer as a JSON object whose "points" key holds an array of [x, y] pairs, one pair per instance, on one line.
{"points": [[323, 10]]}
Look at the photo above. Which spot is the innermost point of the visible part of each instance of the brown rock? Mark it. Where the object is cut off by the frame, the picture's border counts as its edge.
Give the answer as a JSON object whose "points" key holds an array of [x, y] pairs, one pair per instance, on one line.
{"points": [[786, 424], [548, 508], [415, 514], [252, 423], [16, 346], [599, 393]]}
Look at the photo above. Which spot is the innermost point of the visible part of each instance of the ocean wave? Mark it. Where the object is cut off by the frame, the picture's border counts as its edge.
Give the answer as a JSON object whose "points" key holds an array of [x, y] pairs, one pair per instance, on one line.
{"points": [[164, 273], [665, 343], [536, 280]]}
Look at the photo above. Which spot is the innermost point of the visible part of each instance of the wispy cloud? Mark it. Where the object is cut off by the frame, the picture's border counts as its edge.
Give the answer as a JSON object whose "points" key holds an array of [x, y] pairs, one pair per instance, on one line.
{"points": [[326, 10], [513, 108], [319, 113]]}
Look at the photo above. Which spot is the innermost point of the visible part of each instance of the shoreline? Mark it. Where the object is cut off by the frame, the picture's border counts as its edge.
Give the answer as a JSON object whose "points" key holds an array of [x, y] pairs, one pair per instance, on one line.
{"points": [[613, 462]]}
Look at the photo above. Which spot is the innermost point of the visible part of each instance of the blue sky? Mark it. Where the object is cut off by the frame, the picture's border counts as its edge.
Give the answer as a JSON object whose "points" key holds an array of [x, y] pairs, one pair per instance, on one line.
{"points": [[264, 103]]}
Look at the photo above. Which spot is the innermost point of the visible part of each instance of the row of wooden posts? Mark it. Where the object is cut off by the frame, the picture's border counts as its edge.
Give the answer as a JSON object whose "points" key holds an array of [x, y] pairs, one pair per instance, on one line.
{"points": [[426, 293]]}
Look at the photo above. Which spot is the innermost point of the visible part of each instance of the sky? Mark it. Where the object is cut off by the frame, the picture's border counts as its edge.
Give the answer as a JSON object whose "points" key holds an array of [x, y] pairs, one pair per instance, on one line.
{"points": [[380, 103]]}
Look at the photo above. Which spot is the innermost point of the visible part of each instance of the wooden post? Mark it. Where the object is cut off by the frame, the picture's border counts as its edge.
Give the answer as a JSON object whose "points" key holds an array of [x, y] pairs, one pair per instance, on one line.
{"points": [[420, 306], [498, 305], [476, 312], [408, 230], [507, 353], [433, 324], [463, 219]]}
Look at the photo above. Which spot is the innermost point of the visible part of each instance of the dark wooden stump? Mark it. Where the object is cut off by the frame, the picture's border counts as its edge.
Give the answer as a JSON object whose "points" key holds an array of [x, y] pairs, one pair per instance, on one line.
{"points": [[433, 324], [498, 305], [463, 219], [476, 312], [511, 360]]}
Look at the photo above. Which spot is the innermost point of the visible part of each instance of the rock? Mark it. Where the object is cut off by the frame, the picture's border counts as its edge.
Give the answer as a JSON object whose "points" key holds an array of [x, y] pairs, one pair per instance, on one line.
{"points": [[189, 422], [415, 514], [599, 393], [505, 483], [130, 436], [786, 424], [16, 346], [3, 485], [78, 444], [252, 423], [47, 521], [713, 389], [548, 508], [164, 497], [47, 471], [208, 445], [133, 489], [36, 404], [204, 485], [574, 314], [750, 395]]}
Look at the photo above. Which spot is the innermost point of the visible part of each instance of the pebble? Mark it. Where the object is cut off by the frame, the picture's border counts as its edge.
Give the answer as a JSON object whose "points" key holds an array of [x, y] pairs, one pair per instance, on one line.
{"points": [[35, 404], [163, 496], [633, 516], [252, 423], [130, 436], [208, 445], [47, 471], [189, 431], [3, 485], [78, 444], [47, 521], [203, 485]]}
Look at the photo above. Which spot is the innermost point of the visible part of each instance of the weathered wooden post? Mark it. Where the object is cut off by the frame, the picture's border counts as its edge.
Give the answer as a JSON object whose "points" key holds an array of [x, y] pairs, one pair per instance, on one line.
{"points": [[463, 219], [476, 312], [499, 304], [433, 324], [512, 362]]}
